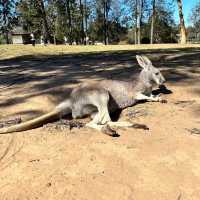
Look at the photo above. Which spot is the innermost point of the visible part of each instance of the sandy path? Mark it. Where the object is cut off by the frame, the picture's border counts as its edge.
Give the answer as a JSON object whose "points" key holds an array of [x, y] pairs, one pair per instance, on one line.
{"points": [[82, 164]]}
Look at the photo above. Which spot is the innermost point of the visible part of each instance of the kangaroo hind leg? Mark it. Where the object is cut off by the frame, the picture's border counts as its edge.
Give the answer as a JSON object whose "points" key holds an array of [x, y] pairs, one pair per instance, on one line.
{"points": [[100, 101]]}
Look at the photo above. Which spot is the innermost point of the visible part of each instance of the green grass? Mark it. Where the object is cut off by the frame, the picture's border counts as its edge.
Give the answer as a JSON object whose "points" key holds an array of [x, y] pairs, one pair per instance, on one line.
{"points": [[12, 51]]}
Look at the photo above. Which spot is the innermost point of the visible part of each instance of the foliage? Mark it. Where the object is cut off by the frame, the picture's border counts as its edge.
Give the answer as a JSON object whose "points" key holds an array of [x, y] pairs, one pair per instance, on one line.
{"points": [[77, 21], [29, 16], [165, 29], [7, 17], [194, 31], [195, 17]]}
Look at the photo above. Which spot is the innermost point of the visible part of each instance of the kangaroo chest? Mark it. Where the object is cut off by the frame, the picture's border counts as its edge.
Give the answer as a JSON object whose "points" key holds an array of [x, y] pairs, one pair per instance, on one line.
{"points": [[121, 93], [120, 103]]}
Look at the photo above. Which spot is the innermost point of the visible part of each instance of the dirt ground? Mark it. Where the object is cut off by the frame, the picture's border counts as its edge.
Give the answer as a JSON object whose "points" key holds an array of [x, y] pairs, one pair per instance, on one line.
{"points": [[162, 163]]}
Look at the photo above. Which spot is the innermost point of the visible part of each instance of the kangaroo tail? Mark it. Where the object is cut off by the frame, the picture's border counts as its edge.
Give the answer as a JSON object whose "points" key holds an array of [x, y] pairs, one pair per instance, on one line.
{"points": [[61, 109]]}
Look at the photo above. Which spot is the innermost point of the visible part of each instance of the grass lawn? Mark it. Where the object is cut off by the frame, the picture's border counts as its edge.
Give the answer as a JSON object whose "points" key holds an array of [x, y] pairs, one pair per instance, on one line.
{"points": [[11, 51]]}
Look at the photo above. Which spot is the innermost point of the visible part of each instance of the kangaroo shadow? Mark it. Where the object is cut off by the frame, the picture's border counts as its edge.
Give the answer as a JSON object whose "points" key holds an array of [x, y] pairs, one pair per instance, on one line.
{"points": [[162, 90]]}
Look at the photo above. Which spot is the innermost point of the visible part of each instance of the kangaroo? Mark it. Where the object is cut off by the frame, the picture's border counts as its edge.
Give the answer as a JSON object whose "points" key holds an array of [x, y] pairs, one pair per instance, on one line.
{"points": [[101, 98]]}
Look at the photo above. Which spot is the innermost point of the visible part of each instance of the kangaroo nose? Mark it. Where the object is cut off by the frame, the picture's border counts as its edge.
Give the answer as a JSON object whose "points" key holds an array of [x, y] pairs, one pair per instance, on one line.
{"points": [[163, 80]]}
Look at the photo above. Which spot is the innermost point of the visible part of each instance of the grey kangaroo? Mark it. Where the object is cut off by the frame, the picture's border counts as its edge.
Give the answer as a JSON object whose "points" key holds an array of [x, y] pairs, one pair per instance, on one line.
{"points": [[101, 98]]}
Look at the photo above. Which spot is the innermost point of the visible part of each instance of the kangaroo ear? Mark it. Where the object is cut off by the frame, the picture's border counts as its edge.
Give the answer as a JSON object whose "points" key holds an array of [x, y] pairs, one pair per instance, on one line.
{"points": [[146, 60], [142, 62]]}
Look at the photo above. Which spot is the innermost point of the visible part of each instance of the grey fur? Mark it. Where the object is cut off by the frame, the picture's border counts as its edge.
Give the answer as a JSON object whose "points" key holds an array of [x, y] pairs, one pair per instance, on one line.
{"points": [[103, 97]]}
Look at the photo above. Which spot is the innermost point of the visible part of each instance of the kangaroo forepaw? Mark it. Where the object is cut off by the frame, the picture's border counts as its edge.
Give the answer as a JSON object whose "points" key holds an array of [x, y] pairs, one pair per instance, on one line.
{"points": [[163, 101]]}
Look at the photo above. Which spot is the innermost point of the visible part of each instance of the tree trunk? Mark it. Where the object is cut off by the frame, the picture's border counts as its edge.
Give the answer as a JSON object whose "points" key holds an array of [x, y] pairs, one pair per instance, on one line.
{"points": [[136, 35], [136, 19], [82, 22], [182, 23], [47, 36], [7, 37], [152, 21], [69, 22], [104, 20], [5, 19], [54, 39], [85, 16], [139, 20], [105, 10]]}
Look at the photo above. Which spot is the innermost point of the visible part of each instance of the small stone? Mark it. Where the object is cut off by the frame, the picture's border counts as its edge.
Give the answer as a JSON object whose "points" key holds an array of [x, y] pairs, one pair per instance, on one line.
{"points": [[48, 184], [35, 160], [10, 121]]}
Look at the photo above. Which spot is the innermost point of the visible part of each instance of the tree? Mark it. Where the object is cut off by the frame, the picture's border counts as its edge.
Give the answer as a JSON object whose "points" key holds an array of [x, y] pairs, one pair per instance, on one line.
{"points": [[99, 20], [33, 18], [82, 21], [57, 14], [138, 10], [195, 17], [105, 17], [86, 14], [100, 23], [136, 21], [193, 32], [139, 18], [182, 23], [164, 27], [69, 21], [152, 20], [41, 11], [7, 17], [28, 16]]}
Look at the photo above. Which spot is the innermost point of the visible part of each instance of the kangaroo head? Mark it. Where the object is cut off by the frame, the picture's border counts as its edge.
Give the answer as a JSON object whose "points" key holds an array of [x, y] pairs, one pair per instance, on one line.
{"points": [[149, 71]]}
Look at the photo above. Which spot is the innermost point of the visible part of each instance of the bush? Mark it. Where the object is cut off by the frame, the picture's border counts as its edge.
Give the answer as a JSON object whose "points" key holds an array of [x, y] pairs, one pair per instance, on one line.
{"points": [[2, 39], [145, 40]]}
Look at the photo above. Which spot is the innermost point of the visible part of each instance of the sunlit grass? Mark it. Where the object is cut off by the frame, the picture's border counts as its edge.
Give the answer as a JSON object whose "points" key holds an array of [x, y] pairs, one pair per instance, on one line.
{"points": [[12, 51]]}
